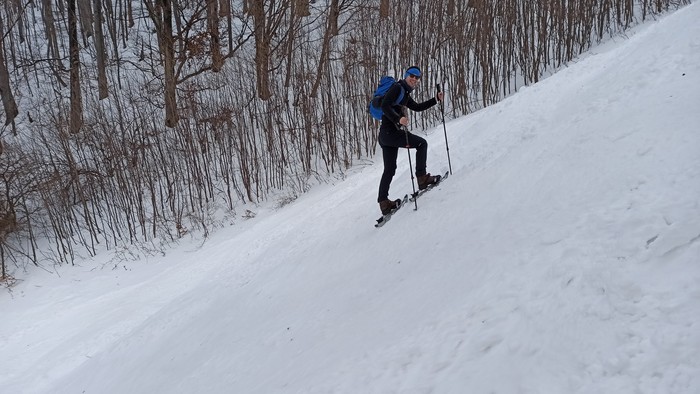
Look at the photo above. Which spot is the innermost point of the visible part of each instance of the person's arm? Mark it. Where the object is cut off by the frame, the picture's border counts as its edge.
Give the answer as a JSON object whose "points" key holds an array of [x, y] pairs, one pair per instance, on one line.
{"points": [[418, 107]]}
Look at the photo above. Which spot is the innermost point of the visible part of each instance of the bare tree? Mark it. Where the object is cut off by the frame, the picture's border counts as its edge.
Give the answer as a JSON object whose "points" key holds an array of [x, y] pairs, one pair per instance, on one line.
{"points": [[331, 31], [383, 9], [161, 13], [76, 101], [53, 52], [262, 48], [86, 18], [214, 42], [8, 100], [100, 50]]}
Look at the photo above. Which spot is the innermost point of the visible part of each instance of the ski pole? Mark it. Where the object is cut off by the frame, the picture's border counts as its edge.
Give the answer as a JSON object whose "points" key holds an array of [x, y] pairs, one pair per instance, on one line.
{"points": [[410, 166], [447, 145]]}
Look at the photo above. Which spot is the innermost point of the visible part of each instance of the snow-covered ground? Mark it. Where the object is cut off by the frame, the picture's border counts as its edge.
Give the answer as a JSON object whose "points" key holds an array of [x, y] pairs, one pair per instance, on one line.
{"points": [[562, 256]]}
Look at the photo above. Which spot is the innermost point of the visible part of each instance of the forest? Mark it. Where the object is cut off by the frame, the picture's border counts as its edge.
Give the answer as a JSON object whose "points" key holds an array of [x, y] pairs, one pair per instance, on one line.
{"points": [[129, 124]]}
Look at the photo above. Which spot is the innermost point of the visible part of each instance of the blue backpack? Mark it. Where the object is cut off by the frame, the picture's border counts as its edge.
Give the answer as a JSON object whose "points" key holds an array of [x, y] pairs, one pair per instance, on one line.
{"points": [[375, 105]]}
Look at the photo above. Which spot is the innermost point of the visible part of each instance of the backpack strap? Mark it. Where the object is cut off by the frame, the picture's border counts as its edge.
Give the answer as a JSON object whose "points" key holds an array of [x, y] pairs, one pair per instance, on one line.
{"points": [[400, 94]]}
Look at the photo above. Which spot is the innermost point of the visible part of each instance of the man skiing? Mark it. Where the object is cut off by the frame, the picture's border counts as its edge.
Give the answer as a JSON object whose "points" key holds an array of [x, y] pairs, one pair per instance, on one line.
{"points": [[392, 137]]}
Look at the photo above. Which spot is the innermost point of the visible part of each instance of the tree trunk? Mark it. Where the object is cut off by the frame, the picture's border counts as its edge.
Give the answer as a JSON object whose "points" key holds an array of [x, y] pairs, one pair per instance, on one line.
{"points": [[76, 105], [291, 36], [213, 21], [162, 15], [168, 50], [86, 18], [262, 49], [101, 51], [302, 7], [8, 100], [18, 8], [52, 50], [224, 8], [331, 31], [383, 9]]}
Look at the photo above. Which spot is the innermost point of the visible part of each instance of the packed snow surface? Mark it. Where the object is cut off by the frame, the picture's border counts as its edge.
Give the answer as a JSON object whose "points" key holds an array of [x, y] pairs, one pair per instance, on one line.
{"points": [[561, 256]]}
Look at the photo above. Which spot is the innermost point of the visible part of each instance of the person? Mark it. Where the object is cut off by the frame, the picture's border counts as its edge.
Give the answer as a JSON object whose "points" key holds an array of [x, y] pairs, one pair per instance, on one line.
{"points": [[392, 137]]}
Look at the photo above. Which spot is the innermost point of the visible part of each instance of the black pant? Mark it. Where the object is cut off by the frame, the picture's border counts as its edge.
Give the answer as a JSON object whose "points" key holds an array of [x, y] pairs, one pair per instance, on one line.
{"points": [[390, 141]]}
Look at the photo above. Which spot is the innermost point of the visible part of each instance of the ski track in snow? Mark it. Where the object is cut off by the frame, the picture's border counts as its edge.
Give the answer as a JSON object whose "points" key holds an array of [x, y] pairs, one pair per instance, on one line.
{"points": [[562, 256]]}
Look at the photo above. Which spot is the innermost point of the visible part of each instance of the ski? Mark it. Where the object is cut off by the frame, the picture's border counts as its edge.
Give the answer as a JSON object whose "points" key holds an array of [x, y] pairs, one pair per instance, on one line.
{"points": [[419, 193], [385, 218]]}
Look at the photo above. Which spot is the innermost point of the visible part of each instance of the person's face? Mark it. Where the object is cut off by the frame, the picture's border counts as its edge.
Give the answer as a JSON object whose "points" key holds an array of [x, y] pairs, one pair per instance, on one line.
{"points": [[412, 81]]}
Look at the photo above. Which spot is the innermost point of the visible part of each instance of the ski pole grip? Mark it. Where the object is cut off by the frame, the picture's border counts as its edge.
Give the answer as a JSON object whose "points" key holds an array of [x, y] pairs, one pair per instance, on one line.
{"points": [[438, 87]]}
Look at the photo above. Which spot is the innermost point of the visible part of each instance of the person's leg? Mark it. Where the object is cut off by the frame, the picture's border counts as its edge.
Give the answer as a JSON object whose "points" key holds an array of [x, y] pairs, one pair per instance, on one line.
{"points": [[389, 154], [421, 147]]}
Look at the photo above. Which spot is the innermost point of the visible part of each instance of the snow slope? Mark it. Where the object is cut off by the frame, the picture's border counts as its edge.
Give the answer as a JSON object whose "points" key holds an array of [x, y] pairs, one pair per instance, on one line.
{"points": [[562, 256]]}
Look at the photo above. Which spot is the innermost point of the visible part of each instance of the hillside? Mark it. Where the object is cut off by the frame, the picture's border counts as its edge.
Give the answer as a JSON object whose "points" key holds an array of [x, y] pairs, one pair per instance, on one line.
{"points": [[562, 256]]}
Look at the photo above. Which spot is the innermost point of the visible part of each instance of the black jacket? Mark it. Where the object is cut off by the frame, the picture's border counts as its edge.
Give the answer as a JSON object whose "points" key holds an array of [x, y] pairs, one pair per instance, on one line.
{"points": [[393, 113]]}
